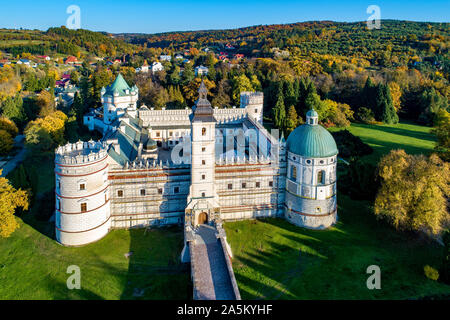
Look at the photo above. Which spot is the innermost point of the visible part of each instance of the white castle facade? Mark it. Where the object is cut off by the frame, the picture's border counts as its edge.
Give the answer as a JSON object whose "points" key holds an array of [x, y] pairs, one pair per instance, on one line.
{"points": [[190, 166]]}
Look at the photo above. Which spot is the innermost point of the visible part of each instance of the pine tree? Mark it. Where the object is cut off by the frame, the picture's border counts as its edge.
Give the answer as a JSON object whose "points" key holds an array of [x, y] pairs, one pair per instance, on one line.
{"points": [[289, 93], [279, 111], [292, 120], [368, 95], [388, 114], [78, 107]]}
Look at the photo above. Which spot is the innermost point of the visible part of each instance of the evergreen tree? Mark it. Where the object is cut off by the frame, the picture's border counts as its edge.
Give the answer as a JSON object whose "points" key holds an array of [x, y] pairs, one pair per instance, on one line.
{"points": [[368, 95], [78, 108], [292, 120], [188, 74], [279, 111], [388, 113], [289, 93]]}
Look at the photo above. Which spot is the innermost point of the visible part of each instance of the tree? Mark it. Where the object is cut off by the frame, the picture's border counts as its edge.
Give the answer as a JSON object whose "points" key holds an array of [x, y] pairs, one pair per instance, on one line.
{"points": [[222, 98], [431, 102], [442, 131], [279, 112], [46, 103], [292, 120], [240, 84], [191, 90], [13, 109], [6, 142], [188, 74], [10, 199], [413, 192], [388, 113], [396, 93], [9, 126]]}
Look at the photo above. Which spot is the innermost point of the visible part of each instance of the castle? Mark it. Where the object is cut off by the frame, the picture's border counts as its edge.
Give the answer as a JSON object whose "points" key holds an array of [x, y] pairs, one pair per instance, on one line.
{"points": [[190, 166]]}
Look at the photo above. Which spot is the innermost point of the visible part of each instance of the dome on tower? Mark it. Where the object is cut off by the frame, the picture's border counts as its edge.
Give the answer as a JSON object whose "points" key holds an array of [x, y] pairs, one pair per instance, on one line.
{"points": [[311, 139]]}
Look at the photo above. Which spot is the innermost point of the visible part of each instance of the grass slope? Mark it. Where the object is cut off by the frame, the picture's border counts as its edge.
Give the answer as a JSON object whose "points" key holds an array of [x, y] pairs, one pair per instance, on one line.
{"points": [[383, 138], [274, 259], [33, 265]]}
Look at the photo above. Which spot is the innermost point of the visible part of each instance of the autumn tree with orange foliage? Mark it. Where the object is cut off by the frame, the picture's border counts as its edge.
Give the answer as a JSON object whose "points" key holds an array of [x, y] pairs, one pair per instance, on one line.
{"points": [[10, 199]]}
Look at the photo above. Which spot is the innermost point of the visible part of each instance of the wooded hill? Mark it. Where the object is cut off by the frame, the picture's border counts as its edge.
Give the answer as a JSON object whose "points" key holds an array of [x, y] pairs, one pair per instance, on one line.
{"points": [[63, 40]]}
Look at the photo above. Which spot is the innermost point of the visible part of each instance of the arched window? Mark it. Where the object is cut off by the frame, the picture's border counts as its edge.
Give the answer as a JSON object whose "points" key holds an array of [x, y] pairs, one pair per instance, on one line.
{"points": [[321, 177], [203, 131], [294, 173]]}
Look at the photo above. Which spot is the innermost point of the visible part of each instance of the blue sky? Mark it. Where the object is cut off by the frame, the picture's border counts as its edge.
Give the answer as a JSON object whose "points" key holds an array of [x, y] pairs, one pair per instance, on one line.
{"points": [[161, 16]]}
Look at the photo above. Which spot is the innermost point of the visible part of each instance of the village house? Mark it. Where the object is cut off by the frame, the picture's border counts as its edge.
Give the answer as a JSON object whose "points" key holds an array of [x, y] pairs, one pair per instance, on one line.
{"points": [[157, 66], [201, 71], [165, 57], [70, 60]]}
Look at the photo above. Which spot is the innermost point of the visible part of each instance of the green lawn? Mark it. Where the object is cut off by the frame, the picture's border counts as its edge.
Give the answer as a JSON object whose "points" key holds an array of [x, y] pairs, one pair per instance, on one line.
{"points": [[274, 259], [33, 265], [412, 138]]}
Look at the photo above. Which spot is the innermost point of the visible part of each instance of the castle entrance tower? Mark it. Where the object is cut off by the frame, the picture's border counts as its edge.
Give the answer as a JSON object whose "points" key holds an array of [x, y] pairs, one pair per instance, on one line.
{"points": [[311, 175], [82, 213], [203, 204]]}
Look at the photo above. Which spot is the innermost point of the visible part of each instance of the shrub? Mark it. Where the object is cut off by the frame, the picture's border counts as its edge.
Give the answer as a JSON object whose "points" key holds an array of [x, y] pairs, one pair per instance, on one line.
{"points": [[9, 126], [360, 181], [445, 269], [431, 273], [350, 145], [365, 115], [6, 142]]}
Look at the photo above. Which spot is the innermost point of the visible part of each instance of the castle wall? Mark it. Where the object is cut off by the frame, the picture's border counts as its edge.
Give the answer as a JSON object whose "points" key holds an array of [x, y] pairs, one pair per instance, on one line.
{"points": [[163, 201], [257, 190]]}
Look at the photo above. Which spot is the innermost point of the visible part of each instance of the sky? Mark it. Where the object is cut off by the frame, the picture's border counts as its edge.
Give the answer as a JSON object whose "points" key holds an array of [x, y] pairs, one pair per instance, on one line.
{"points": [[140, 16]]}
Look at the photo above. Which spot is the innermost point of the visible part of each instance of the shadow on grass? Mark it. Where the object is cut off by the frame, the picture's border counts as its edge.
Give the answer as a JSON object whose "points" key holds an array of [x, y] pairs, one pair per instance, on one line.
{"points": [[155, 270]]}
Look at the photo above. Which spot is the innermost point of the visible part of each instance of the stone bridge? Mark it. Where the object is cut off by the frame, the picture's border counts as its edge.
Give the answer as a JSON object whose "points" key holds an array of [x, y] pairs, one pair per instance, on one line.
{"points": [[211, 270]]}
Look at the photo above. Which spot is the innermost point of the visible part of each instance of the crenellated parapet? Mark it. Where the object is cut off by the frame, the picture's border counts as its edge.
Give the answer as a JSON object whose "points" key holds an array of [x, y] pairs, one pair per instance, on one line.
{"points": [[237, 160], [249, 97], [81, 152], [143, 164]]}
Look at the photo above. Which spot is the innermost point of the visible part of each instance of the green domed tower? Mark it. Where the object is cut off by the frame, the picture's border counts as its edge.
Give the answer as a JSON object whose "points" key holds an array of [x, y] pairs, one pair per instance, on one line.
{"points": [[311, 175]]}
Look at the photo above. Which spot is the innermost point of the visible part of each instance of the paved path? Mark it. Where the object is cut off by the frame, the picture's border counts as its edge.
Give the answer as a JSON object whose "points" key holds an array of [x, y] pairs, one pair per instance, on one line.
{"points": [[18, 158], [210, 274]]}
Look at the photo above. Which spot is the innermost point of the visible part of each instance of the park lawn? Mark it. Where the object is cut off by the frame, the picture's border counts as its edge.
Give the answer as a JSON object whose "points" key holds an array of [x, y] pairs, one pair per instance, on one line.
{"points": [[413, 138], [274, 259], [33, 265]]}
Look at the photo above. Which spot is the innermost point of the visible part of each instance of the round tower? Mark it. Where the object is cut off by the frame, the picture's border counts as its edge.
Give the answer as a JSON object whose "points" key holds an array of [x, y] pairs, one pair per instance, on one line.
{"points": [[82, 193], [311, 175]]}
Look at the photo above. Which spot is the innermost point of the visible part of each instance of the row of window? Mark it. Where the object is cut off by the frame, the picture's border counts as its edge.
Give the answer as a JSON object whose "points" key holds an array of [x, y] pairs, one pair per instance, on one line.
{"points": [[309, 160], [320, 175], [244, 185], [143, 192]]}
